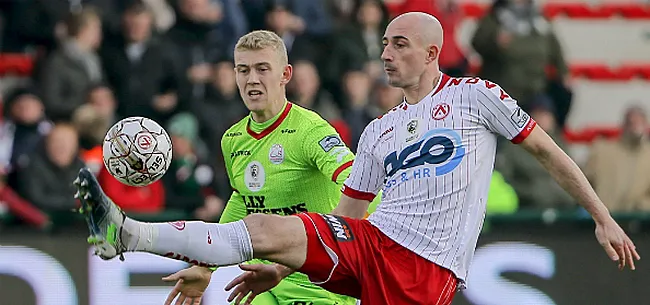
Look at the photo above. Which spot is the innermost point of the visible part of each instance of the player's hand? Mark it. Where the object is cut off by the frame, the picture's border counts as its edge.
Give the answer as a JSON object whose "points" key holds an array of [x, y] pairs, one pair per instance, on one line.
{"points": [[190, 285], [257, 279], [617, 244]]}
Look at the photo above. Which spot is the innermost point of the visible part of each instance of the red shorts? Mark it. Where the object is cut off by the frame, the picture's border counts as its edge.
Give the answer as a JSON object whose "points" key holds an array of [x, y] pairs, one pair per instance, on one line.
{"points": [[352, 257]]}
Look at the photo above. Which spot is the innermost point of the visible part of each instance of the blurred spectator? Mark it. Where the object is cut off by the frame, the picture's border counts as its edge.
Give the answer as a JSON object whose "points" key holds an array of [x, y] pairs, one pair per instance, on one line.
{"points": [[139, 69], [308, 17], [188, 182], [305, 90], [163, 14], [73, 67], [535, 187], [386, 96], [46, 181], [290, 27], [195, 44], [452, 59], [92, 128], [22, 131], [101, 98], [37, 24], [234, 24], [358, 44], [357, 85], [221, 108], [618, 170], [516, 44], [222, 101]]}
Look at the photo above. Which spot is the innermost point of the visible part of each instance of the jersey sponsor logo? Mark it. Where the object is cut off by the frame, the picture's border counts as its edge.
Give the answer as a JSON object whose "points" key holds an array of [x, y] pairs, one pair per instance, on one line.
{"points": [[440, 111], [339, 227], [276, 154], [254, 176], [240, 153], [256, 204], [442, 147], [233, 134], [520, 117], [287, 130], [330, 142], [286, 211], [179, 225]]}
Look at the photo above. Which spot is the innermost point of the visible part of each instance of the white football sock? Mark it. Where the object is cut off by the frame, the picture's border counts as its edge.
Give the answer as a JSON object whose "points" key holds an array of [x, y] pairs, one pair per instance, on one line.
{"points": [[196, 242]]}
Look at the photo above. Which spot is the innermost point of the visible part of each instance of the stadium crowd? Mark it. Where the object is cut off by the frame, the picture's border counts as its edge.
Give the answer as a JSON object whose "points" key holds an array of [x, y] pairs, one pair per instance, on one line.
{"points": [[97, 61]]}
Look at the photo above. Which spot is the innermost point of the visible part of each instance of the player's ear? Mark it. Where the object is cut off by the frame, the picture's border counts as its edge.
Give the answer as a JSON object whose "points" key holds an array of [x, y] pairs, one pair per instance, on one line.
{"points": [[287, 73], [433, 52]]}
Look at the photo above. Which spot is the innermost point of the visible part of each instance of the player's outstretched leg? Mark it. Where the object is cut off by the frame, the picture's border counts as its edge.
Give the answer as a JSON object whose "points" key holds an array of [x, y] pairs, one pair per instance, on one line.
{"points": [[276, 238]]}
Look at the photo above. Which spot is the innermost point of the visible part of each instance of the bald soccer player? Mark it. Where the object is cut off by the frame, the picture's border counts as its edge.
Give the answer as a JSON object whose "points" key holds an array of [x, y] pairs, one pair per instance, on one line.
{"points": [[432, 156]]}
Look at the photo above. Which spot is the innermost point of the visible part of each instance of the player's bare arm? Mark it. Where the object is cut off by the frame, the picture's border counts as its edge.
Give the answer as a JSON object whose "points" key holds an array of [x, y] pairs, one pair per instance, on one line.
{"points": [[350, 207], [617, 244]]}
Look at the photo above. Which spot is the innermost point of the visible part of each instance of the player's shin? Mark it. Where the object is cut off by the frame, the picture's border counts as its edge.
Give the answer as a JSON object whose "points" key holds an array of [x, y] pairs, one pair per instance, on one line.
{"points": [[196, 242]]}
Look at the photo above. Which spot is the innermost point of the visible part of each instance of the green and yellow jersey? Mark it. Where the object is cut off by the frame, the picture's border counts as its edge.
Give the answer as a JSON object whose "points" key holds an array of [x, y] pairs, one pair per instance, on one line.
{"points": [[293, 163]]}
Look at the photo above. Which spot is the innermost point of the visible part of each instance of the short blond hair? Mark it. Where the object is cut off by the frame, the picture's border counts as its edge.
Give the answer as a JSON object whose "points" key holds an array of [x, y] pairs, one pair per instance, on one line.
{"points": [[262, 39]]}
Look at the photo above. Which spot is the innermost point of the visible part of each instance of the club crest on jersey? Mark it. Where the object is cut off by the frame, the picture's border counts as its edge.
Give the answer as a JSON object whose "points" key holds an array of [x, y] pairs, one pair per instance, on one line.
{"points": [[276, 154], [440, 147], [254, 176], [412, 130], [440, 111]]}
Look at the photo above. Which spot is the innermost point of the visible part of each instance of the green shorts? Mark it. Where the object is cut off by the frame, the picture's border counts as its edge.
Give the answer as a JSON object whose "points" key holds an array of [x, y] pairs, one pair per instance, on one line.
{"points": [[289, 292]]}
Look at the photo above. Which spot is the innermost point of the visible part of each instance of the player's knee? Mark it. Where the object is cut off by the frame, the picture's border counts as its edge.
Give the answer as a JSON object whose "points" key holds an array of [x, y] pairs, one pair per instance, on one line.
{"points": [[272, 234], [261, 230]]}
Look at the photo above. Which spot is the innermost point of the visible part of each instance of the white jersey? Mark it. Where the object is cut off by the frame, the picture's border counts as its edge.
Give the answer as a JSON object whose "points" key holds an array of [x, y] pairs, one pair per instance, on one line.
{"points": [[433, 161]]}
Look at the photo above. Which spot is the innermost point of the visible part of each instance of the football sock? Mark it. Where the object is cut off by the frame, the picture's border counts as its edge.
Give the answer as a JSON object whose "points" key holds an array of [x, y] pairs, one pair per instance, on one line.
{"points": [[196, 242]]}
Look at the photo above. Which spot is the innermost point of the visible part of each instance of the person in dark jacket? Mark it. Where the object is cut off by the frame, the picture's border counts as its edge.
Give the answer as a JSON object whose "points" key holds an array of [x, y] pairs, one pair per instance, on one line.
{"points": [[517, 44], [45, 181], [139, 68], [70, 70]]}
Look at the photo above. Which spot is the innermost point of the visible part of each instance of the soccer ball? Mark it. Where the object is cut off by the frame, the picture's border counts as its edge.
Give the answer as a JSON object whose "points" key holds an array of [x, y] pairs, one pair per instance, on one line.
{"points": [[137, 151]]}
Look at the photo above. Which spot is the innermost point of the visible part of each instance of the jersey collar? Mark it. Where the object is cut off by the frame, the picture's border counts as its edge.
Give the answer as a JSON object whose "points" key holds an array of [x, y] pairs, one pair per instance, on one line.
{"points": [[269, 129]]}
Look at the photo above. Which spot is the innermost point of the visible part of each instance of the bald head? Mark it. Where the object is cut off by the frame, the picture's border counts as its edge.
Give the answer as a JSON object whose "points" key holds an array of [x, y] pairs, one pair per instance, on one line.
{"points": [[422, 26]]}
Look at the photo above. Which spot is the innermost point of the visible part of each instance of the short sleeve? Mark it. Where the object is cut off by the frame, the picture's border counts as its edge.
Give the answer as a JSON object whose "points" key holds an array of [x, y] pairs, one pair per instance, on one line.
{"points": [[501, 113], [367, 175], [325, 150]]}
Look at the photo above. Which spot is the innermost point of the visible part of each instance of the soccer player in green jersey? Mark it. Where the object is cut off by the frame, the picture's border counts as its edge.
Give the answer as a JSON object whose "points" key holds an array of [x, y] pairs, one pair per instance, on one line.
{"points": [[281, 159]]}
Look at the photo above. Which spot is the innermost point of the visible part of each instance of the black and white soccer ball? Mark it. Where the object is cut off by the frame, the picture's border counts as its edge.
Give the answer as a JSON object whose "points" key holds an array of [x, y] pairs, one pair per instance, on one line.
{"points": [[137, 151]]}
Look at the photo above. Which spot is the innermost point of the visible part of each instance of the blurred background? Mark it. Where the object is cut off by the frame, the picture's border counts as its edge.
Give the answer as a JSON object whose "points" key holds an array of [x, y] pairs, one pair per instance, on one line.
{"points": [[69, 69]]}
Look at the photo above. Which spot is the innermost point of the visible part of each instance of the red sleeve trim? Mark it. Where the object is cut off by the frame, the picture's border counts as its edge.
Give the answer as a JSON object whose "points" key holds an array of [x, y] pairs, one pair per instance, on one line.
{"points": [[339, 170], [525, 132], [354, 194]]}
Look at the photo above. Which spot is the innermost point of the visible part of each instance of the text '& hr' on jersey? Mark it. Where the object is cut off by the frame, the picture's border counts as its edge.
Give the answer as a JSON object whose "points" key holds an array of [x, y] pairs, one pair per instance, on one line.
{"points": [[441, 147]]}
